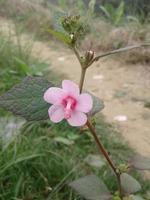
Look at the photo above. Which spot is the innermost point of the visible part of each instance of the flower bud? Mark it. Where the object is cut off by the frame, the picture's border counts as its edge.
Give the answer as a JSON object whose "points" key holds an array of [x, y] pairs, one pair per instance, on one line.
{"points": [[89, 55]]}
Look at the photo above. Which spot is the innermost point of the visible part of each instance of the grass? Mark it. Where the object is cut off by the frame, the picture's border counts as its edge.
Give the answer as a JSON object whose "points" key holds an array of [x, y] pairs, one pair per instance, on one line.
{"points": [[35, 166], [34, 162]]}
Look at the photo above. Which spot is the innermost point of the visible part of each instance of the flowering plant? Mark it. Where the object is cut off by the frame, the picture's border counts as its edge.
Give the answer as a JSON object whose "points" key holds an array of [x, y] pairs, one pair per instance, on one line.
{"points": [[37, 99]]}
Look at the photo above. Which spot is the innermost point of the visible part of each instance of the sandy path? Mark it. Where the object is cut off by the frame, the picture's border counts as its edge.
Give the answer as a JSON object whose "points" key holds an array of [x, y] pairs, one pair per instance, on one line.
{"points": [[124, 88]]}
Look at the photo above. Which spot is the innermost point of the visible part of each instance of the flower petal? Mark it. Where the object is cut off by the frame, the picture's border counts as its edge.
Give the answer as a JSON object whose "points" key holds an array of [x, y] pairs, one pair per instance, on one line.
{"points": [[77, 119], [54, 95], [71, 88], [56, 113], [85, 103]]}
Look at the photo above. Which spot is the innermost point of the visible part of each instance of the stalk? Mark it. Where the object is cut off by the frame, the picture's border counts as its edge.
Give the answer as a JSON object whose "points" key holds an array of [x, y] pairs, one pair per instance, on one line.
{"points": [[92, 129]]}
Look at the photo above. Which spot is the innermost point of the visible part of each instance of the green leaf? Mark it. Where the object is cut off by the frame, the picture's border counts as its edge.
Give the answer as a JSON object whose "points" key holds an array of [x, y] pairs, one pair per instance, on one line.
{"points": [[119, 13], [63, 141], [60, 36], [105, 11], [19, 160], [91, 188], [98, 105], [95, 161], [141, 163], [26, 99], [129, 184]]}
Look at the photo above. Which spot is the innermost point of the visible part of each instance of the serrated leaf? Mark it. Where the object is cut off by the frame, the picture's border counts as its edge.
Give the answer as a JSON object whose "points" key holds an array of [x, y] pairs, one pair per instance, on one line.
{"points": [[98, 105], [91, 188], [60, 36], [63, 141], [129, 184], [141, 163], [94, 161], [26, 99]]}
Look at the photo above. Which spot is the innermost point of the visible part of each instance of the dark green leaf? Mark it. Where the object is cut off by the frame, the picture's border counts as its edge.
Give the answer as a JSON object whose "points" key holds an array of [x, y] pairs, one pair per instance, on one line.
{"points": [[129, 184], [26, 99], [91, 188], [60, 36], [98, 105], [141, 163]]}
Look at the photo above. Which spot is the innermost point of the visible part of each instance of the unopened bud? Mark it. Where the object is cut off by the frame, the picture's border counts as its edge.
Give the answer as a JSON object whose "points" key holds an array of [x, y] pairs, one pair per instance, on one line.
{"points": [[89, 55], [123, 168], [72, 36]]}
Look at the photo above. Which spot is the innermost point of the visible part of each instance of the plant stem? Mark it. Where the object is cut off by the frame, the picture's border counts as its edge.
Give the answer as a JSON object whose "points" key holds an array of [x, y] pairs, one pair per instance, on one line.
{"points": [[93, 131], [128, 48], [100, 146], [83, 72], [104, 152], [77, 55]]}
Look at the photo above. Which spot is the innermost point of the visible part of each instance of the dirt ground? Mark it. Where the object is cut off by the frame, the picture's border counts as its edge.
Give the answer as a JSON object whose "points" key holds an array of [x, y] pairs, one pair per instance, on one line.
{"points": [[123, 87]]}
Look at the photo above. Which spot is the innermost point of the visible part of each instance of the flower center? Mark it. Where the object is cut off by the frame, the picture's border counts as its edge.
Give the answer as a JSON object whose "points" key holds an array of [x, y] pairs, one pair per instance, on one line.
{"points": [[69, 104]]}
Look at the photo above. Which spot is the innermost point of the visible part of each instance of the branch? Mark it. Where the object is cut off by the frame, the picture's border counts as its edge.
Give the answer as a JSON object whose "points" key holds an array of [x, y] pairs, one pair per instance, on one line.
{"points": [[119, 51], [77, 55]]}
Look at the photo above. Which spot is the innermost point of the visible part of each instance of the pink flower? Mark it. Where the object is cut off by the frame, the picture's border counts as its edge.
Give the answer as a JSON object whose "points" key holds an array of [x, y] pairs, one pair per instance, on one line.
{"points": [[68, 104]]}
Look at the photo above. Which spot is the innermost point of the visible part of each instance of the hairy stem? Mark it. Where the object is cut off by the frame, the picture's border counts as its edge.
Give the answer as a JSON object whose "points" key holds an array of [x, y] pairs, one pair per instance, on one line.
{"points": [[105, 154], [93, 131], [100, 146], [77, 55], [83, 72]]}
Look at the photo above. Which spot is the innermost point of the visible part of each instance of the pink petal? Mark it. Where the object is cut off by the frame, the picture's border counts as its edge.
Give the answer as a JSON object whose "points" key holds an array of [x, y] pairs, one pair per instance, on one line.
{"points": [[54, 95], [71, 88], [56, 113], [85, 103], [77, 119]]}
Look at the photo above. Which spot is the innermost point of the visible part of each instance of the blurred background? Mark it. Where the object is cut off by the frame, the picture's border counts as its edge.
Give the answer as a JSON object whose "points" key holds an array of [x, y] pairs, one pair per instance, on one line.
{"points": [[38, 159]]}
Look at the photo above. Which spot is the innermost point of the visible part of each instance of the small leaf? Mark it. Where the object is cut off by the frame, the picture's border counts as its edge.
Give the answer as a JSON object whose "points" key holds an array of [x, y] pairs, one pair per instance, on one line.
{"points": [[95, 161], [91, 188], [60, 36], [129, 184], [63, 141], [98, 105], [141, 163], [26, 99]]}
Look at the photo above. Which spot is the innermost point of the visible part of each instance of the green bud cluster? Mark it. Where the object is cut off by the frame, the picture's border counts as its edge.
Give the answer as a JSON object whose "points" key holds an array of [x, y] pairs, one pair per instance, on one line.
{"points": [[123, 168], [74, 27]]}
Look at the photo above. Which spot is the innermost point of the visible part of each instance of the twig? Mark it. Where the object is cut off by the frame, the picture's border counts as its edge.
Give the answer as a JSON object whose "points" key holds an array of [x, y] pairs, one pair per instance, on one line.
{"points": [[119, 51]]}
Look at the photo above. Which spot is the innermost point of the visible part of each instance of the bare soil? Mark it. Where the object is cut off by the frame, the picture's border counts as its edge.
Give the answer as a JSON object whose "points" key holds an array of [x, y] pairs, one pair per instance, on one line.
{"points": [[123, 87]]}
